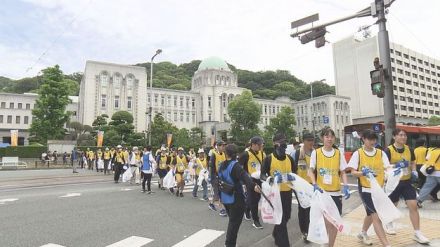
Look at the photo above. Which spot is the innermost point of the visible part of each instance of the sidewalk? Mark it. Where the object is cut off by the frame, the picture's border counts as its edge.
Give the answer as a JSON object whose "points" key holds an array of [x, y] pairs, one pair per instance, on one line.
{"points": [[429, 223]]}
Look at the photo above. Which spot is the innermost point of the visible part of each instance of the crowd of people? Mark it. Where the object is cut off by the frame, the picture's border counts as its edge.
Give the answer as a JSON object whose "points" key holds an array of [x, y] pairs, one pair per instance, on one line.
{"points": [[234, 179]]}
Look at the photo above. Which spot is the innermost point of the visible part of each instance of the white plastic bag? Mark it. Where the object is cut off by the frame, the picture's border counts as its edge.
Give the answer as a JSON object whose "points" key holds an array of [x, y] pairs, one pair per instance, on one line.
{"points": [[303, 189], [203, 176], [168, 180], [317, 232], [109, 166], [100, 164], [392, 181], [385, 208], [330, 211], [268, 214], [127, 175]]}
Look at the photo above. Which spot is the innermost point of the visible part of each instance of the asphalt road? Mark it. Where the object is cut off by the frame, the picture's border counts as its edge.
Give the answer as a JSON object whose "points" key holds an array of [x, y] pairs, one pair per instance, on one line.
{"points": [[90, 210]]}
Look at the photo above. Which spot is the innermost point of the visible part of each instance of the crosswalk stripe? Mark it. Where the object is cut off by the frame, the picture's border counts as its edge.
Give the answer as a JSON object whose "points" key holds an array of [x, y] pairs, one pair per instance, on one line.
{"points": [[51, 245], [200, 239], [71, 195], [132, 241], [4, 201]]}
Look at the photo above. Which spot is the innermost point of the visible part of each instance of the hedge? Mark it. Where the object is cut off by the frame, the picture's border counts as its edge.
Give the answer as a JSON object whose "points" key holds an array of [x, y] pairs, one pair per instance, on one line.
{"points": [[23, 151]]}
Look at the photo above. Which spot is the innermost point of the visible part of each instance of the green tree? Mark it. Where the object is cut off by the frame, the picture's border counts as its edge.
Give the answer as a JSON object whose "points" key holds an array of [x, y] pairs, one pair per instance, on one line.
{"points": [[245, 114], [284, 122], [50, 108], [181, 138], [159, 128], [197, 137], [122, 123], [100, 123], [434, 120]]}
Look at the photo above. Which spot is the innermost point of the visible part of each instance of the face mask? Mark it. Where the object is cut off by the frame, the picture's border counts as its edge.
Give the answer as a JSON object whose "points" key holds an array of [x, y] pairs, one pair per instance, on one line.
{"points": [[280, 150]]}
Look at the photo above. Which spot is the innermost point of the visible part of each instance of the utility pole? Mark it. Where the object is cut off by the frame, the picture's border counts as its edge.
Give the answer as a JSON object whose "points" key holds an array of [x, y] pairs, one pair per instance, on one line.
{"points": [[376, 9], [313, 117], [150, 109]]}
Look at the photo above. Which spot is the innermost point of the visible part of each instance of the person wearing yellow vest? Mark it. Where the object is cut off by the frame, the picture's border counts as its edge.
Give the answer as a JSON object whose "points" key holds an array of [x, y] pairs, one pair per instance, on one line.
{"points": [[432, 172], [112, 158], [280, 165], [134, 160], [217, 157], [162, 161], [420, 153], [327, 169], [98, 160], [422, 177], [107, 157], [181, 164], [90, 159], [200, 166], [251, 160], [369, 161], [402, 158], [119, 162], [302, 161]]}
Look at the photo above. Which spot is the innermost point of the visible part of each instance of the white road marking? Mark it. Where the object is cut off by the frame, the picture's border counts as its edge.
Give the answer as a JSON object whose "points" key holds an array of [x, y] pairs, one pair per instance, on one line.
{"points": [[71, 195], [126, 189], [132, 241], [52, 245], [4, 201], [200, 239]]}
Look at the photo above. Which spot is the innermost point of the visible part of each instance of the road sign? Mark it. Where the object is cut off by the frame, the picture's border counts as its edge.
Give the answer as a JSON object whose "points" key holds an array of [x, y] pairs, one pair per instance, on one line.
{"points": [[325, 119], [376, 128]]}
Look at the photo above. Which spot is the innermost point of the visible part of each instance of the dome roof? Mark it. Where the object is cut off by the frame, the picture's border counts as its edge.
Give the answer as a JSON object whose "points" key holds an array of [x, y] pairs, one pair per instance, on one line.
{"points": [[213, 63]]}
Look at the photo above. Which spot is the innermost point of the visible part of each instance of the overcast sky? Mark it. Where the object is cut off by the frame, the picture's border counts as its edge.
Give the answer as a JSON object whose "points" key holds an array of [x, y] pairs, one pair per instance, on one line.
{"points": [[250, 34]]}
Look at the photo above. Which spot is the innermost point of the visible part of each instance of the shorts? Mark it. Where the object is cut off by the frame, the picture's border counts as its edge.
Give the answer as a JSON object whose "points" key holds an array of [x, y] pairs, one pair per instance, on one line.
{"points": [[162, 172], [368, 202], [404, 189], [338, 202]]}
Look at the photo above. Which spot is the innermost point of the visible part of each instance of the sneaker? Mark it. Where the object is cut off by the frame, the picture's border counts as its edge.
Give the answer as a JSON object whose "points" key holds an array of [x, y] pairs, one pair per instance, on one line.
{"points": [[181, 194], [148, 192], [257, 224], [195, 196], [177, 193], [212, 207], [223, 213], [419, 204], [143, 191], [389, 229], [247, 215], [419, 238], [204, 199], [363, 237], [304, 237]]}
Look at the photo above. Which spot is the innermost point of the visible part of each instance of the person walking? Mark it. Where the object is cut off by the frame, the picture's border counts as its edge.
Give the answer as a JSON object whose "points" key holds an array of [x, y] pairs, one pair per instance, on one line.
{"points": [[73, 159], [432, 172], [201, 172], [107, 158], [148, 167], [217, 157], [181, 164], [163, 160], [119, 162]]}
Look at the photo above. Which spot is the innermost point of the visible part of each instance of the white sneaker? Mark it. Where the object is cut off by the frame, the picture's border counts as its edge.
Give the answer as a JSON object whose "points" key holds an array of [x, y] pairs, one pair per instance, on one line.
{"points": [[419, 238], [389, 229], [363, 237]]}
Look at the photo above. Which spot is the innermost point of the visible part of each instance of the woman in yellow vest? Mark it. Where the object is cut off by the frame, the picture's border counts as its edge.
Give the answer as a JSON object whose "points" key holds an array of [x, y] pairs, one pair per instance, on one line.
{"points": [[162, 161], [369, 161], [432, 172], [302, 159], [217, 157], [107, 157], [402, 157], [327, 169], [98, 158], [119, 162], [181, 164], [200, 164]]}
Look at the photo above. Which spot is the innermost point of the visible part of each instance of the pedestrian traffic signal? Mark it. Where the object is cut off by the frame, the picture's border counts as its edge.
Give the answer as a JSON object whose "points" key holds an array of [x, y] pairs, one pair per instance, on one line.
{"points": [[377, 82]]}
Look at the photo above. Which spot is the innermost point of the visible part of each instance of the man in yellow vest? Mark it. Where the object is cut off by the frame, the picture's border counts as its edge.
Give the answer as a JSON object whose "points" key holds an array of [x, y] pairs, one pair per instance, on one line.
{"points": [[99, 160], [302, 161], [217, 157], [119, 162], [280, 165], [251, 161], [107, 158], [432, 172], [201, 165], [181, 164], [162, 161]]}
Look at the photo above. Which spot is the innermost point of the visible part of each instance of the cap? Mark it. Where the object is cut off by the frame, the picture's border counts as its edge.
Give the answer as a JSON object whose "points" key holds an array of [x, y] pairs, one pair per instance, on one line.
{"points": [[119, 146], [135, 148], [180, 149], [308, 136], [279, 137], [220, 142], [163, 149], [256, 140], [201, 150], [106, 149]]}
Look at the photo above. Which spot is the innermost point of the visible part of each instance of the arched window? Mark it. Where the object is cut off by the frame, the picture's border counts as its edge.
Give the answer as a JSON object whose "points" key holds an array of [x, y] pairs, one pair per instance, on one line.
{"points": [[116, 81], [130, 80], [103, 79]]}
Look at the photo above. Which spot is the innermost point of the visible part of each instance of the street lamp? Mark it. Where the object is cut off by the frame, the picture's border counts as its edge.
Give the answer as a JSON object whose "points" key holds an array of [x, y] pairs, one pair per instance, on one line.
{"points": [[150, 110]]}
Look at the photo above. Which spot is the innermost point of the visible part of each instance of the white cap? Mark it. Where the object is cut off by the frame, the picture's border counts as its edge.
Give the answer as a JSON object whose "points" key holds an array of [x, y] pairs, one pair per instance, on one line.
{"points": [[119, 146], [201, 150], [135, 148]]}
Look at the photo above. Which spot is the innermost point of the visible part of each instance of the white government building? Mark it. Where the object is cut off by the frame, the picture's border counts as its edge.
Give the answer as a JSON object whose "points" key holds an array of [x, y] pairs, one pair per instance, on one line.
{"points": [[416, 81], [107, 88]]}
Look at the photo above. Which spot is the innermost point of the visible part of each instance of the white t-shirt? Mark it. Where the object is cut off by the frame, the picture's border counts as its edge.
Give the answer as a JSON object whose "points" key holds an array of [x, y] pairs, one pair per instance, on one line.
{"points": [[342, 164]]}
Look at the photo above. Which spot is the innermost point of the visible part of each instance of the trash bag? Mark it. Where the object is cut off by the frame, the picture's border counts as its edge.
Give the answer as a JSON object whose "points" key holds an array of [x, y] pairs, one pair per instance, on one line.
{"points": [[304, 190], [203, 176], [109, 166], [330, 211], [317, 232], [168, 180], [127, 175], [268, 214], [385, 208], [392, 180], [100, 164]]}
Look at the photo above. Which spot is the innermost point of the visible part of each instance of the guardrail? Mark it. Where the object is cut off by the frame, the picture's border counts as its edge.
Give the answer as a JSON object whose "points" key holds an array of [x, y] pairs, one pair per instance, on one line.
{"points": [[13, 165]]}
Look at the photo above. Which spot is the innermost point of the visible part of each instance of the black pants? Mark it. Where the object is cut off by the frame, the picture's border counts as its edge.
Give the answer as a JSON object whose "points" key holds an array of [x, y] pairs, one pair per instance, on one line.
{"points": [[303, 217], [252, 201], [280, 231], [118, 170], [146, 178], [106, 162], [235, 212]]}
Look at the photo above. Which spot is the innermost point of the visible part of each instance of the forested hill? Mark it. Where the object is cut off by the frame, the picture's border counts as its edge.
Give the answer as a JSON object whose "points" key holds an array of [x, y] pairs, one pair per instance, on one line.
{"points": [[264, 84]]}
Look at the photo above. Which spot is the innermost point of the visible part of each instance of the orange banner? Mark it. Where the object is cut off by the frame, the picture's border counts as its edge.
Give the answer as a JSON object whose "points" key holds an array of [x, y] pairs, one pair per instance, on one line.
{"points": [[169, 139], [100, 138], [14, 138]]}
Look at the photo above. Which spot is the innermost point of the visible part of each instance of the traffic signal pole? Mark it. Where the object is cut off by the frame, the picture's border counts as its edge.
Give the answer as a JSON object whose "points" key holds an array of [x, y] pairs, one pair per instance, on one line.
{"points": [[377, 9]]}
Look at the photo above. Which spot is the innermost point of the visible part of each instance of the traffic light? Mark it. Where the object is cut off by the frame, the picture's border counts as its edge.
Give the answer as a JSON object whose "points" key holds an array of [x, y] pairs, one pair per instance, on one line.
{"points": [[313, 35], [377, 82]]}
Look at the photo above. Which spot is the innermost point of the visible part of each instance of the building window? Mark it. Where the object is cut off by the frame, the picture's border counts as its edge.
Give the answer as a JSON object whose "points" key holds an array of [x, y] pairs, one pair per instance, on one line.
{"points": [[409, 99], [193, 117], [402, 107], [187, 103], [116, 101], [28, 106], [175, 116], [11, 105], [193, 103], [209, 116], [417, 101], [116, 81], [209, 102], [181, 102], [175, 102], [156, 98], [408, 90], [425, 111], [103, 101], [430, 103], [423, 94], [187, 117], [401, 89], [169, 100], [104, 80], [402, 98], [410, 108], [162, 100], [129, 102], [423, 102], [17, 119], [1, 118], [181, 117], [416, 84], [9, 119], [417, 109], [431, 111], [20, 106], [129, 82], [3, 105]]}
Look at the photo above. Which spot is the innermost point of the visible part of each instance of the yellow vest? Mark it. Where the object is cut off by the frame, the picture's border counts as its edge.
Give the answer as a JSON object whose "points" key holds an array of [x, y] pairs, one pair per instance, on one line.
{"points": [[375, 163], [219, 158], [283, 167], [107, 155], [303, 165], [420, 153], [91, 155], [397, 157], [434, 159], [181, 164], [137, 156], [201, 164], [163, 162], [120, 157], [328, 168], [253, 161], [99, 155]]}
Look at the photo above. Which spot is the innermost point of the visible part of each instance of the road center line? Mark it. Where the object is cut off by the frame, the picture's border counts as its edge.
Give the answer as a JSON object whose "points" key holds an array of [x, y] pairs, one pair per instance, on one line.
{"points": [[200, 239], [71, 195], [52, 245], [132, 241]]}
